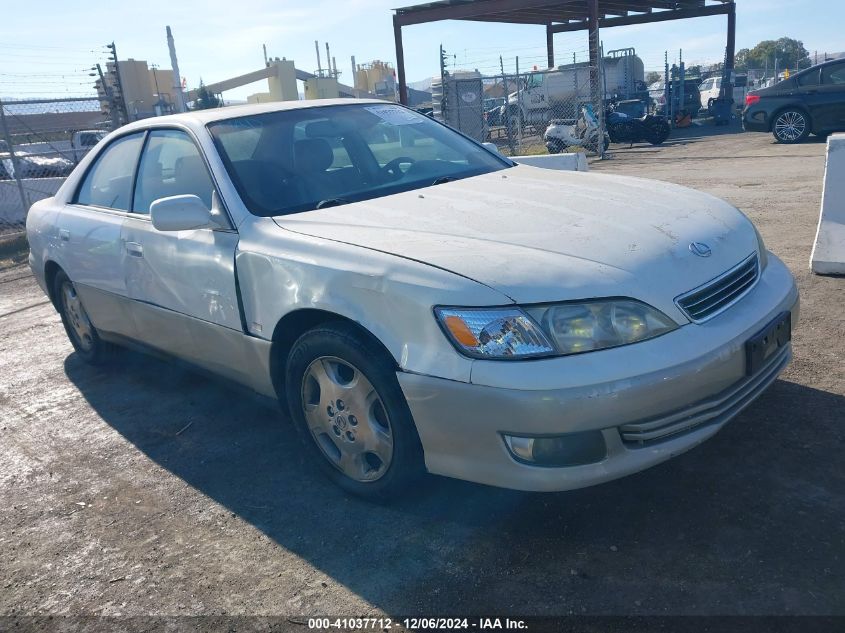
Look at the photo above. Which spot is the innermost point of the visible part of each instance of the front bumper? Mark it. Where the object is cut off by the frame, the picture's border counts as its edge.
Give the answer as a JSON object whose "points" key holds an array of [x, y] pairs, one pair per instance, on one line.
{"points": [[651, 401]]}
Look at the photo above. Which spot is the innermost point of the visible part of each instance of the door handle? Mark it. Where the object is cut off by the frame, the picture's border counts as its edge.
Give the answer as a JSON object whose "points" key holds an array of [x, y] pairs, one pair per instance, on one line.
{"points": [[134, 249], [64, 235]]}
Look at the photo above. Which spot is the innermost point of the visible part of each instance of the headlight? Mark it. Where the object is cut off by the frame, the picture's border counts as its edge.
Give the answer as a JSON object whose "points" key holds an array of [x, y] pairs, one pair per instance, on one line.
{"points": [[494, 332], [592, 325], [559, 329]]}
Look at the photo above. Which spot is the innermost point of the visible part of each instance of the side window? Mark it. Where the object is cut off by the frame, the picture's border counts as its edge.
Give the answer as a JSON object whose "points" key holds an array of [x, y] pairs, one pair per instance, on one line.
{"points": [[809, 79], [108, 182], [834, 75], [170, 166]]}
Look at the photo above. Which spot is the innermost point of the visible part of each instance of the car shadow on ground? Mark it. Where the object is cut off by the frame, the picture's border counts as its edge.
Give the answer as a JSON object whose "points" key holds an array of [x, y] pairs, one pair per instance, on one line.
{"points": [[749, 522]]}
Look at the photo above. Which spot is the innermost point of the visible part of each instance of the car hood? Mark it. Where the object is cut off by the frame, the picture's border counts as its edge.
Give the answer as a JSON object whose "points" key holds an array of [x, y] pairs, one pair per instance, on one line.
{"points": [[538, 235]]}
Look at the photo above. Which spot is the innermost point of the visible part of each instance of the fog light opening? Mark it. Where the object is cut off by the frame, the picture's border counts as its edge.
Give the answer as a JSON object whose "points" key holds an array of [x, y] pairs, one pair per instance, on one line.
{"points": [[572, 449]]}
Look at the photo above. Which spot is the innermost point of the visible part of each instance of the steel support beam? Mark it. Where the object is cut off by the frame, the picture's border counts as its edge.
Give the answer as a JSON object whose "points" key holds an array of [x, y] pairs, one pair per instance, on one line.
{"points": [[469, 10], [593, 37], [400, 61], [550, 46], [647, 18]]}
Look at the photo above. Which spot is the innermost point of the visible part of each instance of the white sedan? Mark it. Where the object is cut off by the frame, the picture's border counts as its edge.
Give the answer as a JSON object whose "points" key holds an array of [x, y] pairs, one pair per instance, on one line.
{"points": [[415, 301]]}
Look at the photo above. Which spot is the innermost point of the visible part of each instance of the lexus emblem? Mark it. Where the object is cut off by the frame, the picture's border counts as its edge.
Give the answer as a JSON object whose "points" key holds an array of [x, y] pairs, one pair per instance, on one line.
{"points": [[700, 248]]}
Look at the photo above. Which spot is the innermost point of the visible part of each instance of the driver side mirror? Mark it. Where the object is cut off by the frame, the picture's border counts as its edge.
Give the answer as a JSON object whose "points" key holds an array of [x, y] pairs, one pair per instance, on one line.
{"points": [[180, 213]]}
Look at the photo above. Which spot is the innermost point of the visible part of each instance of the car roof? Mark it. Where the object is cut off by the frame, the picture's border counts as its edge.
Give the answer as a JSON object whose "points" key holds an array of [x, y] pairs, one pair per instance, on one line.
{"points": [[204, 117]]}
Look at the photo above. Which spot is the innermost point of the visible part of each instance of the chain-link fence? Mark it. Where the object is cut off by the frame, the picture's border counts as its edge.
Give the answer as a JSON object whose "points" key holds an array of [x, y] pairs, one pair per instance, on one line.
{"points": [[41, 141], [525, 113], [539, 110]]}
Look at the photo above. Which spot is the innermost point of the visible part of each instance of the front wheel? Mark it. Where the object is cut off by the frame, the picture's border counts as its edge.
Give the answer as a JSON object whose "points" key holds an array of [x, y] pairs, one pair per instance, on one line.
{"points": [[350, 411], [791, 126]]}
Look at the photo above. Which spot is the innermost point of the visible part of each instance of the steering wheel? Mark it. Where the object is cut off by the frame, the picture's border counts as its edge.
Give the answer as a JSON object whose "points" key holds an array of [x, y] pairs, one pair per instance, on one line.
{"points": [[392, 168]]}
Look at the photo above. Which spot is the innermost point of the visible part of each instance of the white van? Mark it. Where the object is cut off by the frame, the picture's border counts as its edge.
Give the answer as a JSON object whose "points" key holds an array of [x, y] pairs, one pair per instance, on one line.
{"points": [[710, 89]]}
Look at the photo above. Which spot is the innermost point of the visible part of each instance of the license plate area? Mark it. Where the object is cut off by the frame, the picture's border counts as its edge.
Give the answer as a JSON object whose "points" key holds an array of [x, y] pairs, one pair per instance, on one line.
{"points": [[763, 345]]}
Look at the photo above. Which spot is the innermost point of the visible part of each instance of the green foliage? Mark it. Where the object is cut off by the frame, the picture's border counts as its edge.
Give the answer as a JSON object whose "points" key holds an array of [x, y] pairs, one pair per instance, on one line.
{"points": [[205, 98], [790, 54], [653, 76]]}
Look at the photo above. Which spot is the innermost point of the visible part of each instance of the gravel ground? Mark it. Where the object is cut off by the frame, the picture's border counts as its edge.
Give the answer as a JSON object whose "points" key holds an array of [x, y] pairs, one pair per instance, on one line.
{"points": [[145, 489]]}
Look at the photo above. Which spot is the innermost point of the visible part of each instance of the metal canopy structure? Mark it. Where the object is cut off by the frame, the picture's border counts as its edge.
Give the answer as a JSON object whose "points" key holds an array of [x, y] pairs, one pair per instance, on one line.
{"points": [[559, 16]]}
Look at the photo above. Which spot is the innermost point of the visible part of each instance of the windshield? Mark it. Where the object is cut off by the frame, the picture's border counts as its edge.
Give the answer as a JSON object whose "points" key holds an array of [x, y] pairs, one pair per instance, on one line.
{"points": [[308, 158]]}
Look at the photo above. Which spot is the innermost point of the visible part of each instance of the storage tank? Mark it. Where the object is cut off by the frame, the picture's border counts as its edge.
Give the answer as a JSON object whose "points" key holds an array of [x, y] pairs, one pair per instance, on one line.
{"points": [[460, 103]]}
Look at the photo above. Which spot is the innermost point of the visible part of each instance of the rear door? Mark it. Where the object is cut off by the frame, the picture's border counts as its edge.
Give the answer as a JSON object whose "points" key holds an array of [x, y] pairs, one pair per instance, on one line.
{"points": [[829, 102], [90, 248], [181, 283]]}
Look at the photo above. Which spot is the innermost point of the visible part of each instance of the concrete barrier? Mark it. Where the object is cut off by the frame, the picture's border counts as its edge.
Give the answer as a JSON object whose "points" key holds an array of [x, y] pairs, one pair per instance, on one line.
{"points": [[828, 256], [12, 209], [564, 162]]}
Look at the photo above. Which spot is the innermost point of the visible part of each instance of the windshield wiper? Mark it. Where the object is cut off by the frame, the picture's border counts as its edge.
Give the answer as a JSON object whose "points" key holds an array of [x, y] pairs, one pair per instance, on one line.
{"points": [[331, 202], [442, 179]]}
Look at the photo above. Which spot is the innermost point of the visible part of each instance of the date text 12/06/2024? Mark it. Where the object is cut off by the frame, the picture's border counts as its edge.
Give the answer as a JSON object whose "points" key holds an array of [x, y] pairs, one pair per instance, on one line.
{"points": [[415, 624]]}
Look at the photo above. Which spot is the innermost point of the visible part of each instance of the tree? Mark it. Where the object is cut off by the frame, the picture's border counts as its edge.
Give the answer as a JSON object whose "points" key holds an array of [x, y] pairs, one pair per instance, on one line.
{"points": [[693, 71], [653, 76], [788, 52], [205, 98]]}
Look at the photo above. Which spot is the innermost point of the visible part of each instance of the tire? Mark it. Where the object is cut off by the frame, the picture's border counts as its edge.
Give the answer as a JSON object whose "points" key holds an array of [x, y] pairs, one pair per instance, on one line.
{"points": [[555, 146], [658, 132], [83, 335], [350, 412], [791, 125]]}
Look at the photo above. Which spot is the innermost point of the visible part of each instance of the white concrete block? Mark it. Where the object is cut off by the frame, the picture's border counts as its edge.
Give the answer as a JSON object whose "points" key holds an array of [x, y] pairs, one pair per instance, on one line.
{"points": [[565, 162], [828, 256]]}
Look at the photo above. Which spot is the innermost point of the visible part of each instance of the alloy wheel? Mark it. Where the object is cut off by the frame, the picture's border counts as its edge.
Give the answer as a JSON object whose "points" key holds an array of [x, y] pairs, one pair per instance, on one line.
{"points": [[347, 418], [790, 125], [77, 317]]}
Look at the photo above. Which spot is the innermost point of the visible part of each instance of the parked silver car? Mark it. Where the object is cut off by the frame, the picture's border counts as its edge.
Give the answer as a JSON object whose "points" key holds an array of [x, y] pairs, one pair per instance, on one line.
{"points": [[416, 301]]}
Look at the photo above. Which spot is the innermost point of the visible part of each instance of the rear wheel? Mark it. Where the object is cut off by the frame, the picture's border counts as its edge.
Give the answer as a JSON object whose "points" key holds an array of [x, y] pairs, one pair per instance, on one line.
{"points": [[791, 126], [658, 132], [351, 413], [81, 332]]}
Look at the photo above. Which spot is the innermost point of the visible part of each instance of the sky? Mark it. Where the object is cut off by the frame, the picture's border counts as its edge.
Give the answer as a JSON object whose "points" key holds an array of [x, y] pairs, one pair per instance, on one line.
{"points": [[47, 47]]}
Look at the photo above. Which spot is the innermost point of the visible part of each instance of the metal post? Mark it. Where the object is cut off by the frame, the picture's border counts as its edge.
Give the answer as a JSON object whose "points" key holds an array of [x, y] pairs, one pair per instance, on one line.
{"points": [[666, 87], [177, 78], [600, 113], [507, 111], [550, 46], [15, 163], [400, 61], [593, 26], [681, 82], [520, 122], [727, 90]]}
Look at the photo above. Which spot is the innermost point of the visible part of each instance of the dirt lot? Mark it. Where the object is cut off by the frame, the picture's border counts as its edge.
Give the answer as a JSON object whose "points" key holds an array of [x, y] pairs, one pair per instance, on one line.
{"points": [[146, 489]]}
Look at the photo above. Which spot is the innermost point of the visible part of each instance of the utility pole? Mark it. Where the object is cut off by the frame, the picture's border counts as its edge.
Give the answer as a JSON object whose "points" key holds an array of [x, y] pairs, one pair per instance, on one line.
{"points": [[121, 99], [113, 109], [177, 78]]}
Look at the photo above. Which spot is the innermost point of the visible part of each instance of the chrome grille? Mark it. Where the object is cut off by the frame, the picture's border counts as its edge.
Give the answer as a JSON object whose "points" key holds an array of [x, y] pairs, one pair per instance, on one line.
{"points": [[718, 294]]}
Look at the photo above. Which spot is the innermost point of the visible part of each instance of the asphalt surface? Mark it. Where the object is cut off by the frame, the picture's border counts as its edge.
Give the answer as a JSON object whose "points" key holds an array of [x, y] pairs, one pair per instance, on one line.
{"points": [[145, 489]]}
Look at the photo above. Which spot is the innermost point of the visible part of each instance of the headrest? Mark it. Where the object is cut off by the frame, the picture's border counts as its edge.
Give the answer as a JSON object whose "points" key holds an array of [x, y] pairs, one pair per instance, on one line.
{"points": [[312, 154]]}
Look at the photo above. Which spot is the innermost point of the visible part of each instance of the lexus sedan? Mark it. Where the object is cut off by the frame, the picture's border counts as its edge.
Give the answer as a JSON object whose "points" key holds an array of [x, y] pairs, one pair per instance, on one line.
{"points": [[811, 101], [415, 301]]}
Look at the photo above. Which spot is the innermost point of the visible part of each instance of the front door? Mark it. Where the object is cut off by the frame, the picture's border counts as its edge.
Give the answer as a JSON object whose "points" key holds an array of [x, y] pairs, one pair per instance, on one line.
{"points": [[182, 283]]}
